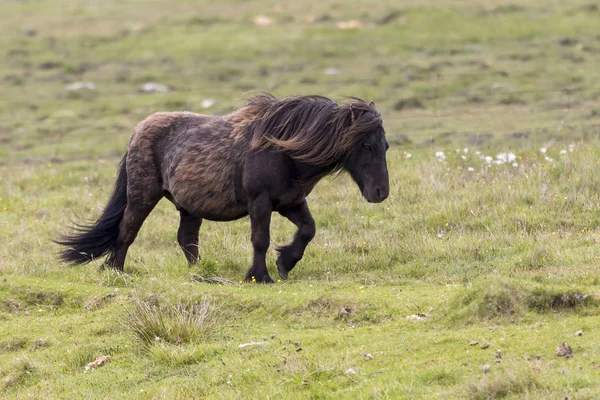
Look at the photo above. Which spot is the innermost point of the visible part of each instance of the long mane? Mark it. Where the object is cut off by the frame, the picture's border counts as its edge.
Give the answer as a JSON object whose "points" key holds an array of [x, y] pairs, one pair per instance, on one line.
{"points": [[313, 129]]}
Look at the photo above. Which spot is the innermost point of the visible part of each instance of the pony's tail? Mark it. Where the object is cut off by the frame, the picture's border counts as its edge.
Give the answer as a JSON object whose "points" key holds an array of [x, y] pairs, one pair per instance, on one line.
{"points": [[90, 242]]}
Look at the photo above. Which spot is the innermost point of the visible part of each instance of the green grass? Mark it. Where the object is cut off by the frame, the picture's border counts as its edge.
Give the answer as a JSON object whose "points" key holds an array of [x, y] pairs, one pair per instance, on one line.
{"points": [[500, 255]]}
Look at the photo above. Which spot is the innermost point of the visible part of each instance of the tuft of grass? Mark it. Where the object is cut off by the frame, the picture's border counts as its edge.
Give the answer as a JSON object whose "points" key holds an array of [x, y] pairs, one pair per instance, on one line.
{"points": [[537, 257], [81, 357], [21, 371], [207, 268], [13, 344], [182, 323], [508, 300], [172, 355], [500, 386], [441, 376]]}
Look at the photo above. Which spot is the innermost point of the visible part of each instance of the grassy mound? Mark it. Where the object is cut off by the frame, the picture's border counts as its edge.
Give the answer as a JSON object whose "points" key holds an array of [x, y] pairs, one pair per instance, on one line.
{"points": [[503, 299]]}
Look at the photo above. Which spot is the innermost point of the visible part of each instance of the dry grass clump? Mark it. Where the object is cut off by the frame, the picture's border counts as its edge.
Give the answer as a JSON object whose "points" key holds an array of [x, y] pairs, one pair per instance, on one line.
{"points": [[500, 386], [173, 324]]}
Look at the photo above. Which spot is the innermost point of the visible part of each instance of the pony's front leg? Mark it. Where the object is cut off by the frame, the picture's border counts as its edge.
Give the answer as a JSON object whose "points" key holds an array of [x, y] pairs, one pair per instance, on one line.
{"points": [[290, 254], [260, 210]]}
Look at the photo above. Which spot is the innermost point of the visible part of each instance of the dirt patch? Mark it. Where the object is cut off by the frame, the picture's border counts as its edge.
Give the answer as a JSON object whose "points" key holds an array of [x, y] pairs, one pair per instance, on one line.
{"points": [[99, 301]]}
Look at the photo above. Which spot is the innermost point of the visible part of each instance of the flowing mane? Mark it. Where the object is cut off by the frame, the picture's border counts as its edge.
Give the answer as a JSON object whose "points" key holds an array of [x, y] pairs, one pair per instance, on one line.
{"points": [[313, 129]]}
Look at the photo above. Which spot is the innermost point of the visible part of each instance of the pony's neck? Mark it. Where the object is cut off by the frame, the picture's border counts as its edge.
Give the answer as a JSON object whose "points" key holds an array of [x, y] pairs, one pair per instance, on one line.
{"points": [[310, 173]]}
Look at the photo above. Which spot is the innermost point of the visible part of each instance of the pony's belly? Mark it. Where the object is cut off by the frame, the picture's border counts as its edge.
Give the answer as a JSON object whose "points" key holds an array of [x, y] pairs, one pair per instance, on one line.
{"points": [[216, 210], [231, 216]]}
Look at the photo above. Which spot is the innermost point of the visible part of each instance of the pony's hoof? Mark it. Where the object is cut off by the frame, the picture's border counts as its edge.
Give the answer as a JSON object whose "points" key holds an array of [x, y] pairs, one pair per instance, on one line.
{"points": [[283, 272], [253, 279]]}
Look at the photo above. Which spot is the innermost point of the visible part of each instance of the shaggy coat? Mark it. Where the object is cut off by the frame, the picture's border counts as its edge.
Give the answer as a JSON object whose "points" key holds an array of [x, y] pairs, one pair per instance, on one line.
{"points": [[265, 157]]}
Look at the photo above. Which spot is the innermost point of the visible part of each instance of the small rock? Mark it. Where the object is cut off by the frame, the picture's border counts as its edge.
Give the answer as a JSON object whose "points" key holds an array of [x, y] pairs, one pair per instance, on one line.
{"points": [[152, 87], [345, 312], [297, 344], [350, 371], [564, 350], [485, 346], [368, 356], [273, 336], [98, 362], [262, 20], [331, 71], [579, 332], [498, 354], [418, 316], [564, 371], [538, 358], [350, 24], [80, 85], [473, 343], [486, 368]]}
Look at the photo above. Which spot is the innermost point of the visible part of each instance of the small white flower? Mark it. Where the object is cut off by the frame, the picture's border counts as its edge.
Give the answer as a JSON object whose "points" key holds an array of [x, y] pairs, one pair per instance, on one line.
{"points": [[463, 157], [207, 103], [515, 164], [563, 152], [572, 147], [477, 153], [470, 169], [408, 155], [511, 157], [543, 150], [465, 150], [488, 159], [548, 159]]}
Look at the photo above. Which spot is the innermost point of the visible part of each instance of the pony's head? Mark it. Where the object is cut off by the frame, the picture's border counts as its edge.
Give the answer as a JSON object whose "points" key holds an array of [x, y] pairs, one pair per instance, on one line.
{"points": [[316, 130], [366, 161]]}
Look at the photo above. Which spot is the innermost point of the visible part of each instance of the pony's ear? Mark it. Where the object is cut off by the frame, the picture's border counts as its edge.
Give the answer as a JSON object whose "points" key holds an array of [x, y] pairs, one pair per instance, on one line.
{"points": [[372, 104], [352, 115]]}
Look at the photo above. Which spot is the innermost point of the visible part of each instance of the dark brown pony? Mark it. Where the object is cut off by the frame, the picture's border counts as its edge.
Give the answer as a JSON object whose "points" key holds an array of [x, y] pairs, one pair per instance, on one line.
{"points": [[265, 157]]}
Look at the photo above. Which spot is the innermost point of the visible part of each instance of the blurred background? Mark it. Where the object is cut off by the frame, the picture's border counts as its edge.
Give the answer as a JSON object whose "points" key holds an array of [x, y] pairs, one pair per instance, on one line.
{"points": [[75, 76], [487, 249]]}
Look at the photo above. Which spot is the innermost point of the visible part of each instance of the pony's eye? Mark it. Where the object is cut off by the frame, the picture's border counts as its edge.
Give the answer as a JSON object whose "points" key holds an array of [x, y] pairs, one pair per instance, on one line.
{"points": [[367, 146]]}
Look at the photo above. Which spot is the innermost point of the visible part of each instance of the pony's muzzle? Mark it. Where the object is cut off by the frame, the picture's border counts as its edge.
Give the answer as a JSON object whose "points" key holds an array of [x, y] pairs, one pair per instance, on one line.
{"points": [[376, 194], [382, 193]]}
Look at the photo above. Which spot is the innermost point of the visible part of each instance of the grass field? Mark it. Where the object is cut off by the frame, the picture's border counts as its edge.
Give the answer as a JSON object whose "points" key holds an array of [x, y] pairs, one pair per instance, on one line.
{"points": [[461, 285]]}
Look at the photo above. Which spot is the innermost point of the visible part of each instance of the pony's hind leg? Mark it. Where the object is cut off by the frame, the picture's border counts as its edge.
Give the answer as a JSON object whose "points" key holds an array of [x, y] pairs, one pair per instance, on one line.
{"points": [[291, 253], [128, 229], [187, 236], [142, 197]]}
